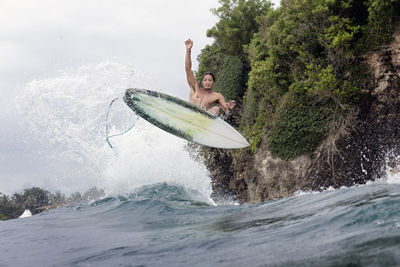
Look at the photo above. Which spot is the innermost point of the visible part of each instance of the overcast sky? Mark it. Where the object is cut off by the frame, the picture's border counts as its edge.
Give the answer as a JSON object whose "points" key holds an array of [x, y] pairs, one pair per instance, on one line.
{"points": [[40, 39]]}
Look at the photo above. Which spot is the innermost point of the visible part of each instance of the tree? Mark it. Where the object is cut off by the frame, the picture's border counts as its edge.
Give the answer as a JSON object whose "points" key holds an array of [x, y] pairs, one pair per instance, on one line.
{"points": [[7, 209], [32, 199], [57, 199], [237, 24], [226, 57], [228, 71]]}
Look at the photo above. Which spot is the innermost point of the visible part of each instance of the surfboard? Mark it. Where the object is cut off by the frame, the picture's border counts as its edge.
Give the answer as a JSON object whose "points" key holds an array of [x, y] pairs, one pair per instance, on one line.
{"points": [[183, 119]]}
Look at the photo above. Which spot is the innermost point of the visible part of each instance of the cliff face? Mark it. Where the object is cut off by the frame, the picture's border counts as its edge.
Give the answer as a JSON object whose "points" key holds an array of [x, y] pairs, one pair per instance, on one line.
{"points": [[354, 152]]}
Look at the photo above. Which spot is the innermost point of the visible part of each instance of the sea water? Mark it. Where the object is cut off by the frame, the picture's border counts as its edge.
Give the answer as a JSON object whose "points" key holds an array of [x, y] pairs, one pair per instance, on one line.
{"points": [[161, 225], [158, 210]]}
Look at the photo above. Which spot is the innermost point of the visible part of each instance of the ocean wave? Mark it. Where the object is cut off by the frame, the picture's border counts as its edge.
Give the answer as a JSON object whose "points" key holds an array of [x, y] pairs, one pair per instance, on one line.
{"points": [[163, 223]]}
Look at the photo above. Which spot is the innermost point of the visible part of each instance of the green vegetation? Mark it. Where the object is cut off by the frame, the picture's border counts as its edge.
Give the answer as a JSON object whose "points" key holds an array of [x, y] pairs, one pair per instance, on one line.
{"points": [[226, 58], [382, 16], [37, 200], [300, 66], [227, 69], [300, 126]]}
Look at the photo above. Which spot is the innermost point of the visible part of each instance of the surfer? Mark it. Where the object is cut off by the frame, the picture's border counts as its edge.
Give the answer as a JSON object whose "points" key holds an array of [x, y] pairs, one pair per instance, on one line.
{"points": [[203, 96]]}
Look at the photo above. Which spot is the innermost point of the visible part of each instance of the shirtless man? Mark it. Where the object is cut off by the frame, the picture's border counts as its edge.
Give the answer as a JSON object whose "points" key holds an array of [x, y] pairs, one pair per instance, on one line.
{"points": [[203, 96]]}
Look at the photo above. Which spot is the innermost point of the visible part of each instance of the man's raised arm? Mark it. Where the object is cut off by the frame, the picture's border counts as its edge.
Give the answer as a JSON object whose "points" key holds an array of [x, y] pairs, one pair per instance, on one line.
{"points": [[188, 66]]}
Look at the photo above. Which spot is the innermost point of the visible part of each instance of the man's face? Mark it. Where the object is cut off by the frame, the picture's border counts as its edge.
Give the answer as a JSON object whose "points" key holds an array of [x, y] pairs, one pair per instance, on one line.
{"points": [[207, 82]]}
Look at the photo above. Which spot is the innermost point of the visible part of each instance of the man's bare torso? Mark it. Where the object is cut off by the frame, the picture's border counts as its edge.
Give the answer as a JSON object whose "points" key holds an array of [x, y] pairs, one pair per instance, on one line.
{"points": [[205, 99]]}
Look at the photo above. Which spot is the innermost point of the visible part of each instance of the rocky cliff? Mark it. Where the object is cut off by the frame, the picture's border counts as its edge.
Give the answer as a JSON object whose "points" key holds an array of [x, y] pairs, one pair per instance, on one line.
{"points": [[355, 151]]}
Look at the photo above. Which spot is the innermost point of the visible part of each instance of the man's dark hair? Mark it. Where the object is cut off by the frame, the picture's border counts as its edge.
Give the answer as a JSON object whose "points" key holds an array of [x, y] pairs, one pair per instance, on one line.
{"points": [[208, 73]]}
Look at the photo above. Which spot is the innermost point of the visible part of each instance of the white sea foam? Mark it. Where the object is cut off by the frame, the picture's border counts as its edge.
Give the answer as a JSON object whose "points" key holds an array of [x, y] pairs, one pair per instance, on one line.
{"points": [[391, 169], [66, 118]]}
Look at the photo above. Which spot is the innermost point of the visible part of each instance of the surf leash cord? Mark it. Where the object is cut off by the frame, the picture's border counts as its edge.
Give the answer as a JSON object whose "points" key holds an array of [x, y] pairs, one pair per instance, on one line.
{"points": [[107, 128]]}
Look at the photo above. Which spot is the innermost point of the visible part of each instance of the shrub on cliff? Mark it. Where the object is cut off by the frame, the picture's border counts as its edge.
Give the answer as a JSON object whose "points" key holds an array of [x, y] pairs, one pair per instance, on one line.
{"points": [[300, 126], [381, 18]]}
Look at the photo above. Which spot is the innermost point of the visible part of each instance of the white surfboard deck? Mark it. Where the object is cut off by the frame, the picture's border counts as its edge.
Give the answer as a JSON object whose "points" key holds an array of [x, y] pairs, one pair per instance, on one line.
{"points": [[183, 119]]}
